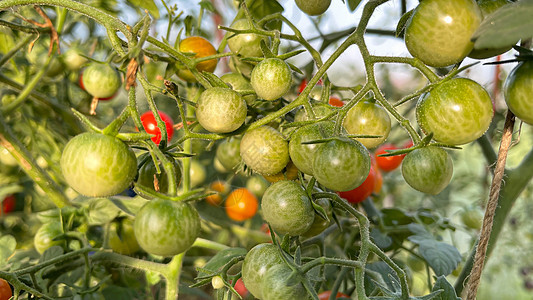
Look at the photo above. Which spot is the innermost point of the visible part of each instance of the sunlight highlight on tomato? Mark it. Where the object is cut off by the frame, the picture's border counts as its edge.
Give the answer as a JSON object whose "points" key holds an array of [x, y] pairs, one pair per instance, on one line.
{"points": [[241, 205], [150, 125]]}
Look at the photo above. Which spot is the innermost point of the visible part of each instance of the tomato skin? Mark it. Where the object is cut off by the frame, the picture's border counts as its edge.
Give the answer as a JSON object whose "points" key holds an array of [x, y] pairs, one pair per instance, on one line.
{"points": [[387, 163], [326, 294], [246, 44], [518, 90], [5, 290], [202, 48], [313, 7], [73, 60], [239, 83], [45, 234], [360, 193], [166, 228], [97, 165], [271, 79], [439, 31], [341, 164], [101, 80], [287, 208], [274, 286], [290, 172], [256, 264], [150, 125], [428, 170], [121, 237], [9, 204], [197, 173], [148, 171], [241, 205], [221, 110], [368, 118], [302, 154], [458, 111], [264, 150], [228, 153], [240, 288]]}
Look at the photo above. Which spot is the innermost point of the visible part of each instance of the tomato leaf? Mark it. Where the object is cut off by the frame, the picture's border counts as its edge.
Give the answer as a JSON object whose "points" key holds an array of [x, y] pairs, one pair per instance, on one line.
{"points": [[262, 8], [380, 239], [443, 258], [448, 292], [7, 247], [353, 4], [402, 23], [223, 257], [506, 26], [149, 5], [101, 211], [129, 206], [389, 281], [51, 253]]}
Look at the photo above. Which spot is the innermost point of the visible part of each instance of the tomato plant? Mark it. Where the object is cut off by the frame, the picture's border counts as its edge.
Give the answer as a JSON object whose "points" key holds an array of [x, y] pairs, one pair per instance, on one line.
{"points": [[48, 235], [149, 177], [387, 163], [301, 154], [5, 290], [287, 208], [239, 83], [438, 32], [271, 78], [241, 205], [166, 228], [517, 88], [98, 165], [100, 80], [221, 110], [276, 286], [121, 237], [200, 47]]}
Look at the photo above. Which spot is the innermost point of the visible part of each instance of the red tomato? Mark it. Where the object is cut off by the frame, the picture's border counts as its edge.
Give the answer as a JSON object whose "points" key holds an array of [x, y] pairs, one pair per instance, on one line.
{"points": [[303, 84], [325, 295], [241, 205], [8, 205], [333, 101], [150, 125], [240, 288], [5, 290], [387, 163], [360, 193]]}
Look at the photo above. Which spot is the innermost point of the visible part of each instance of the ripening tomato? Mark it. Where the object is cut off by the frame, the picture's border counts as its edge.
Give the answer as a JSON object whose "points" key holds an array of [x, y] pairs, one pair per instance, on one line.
{"points": [[275, 285], [5, 290], [241, 205], [150, 125], [271, 78], [9, 203], [46, 236], [148, 175], [121, 237], [219, 187], [302, 154], [325, 295], [290, 172], [221, 110], [368, 118], [240, 288], [264, 150], [246, 44], [202, 48], [387, 163], [360, 193], [320, 109]]}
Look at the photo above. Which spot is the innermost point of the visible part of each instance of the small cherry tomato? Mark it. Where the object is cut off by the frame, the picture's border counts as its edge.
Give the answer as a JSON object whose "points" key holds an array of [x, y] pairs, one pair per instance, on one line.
{"points": [[240, 288], [387, 163], [9, 203], [241, 205], [360, 193], [202, 48], [150, 125], [220, 187], [334, 101], [325, 295], [5, 290]]}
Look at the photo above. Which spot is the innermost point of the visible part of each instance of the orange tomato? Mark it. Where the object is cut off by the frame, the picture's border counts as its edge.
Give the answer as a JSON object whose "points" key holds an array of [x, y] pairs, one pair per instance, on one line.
{"points": [[241, 205], [5, 290], [289, 173], [219, 186], [202, 48], [334, 101]]}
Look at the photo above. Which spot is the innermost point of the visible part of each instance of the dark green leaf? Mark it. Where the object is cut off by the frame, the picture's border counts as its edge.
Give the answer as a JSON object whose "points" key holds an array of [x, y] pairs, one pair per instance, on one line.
{"points": [[149, 5], [380, 239], [129, 206], [51, 253], [353, 4], [400, 28], [448, 292], [388, 276], [506, 26], [419, 233], [7, 247], [442, 258], [118, 293], [214, 80], [220, 259], [101, 211]]}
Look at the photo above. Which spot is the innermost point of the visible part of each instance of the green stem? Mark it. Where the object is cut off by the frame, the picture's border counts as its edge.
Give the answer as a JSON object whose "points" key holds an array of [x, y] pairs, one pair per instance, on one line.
{"points": [[15, 49], [208, 244], [113, 128], [61, 17], [30, 167], [320, 261], [172, 276]]}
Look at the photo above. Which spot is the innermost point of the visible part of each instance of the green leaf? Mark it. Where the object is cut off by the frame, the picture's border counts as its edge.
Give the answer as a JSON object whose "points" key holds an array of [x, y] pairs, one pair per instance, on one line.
{"points": [[353, 4], [7, 247], [506, 26], [388, 276], [380, 239], [101, 211], [262, 8], [442, 258], [149, 5], [402, 23], [129, 206], [51, 253], [152, 278], [448, 292], [221, 259]]}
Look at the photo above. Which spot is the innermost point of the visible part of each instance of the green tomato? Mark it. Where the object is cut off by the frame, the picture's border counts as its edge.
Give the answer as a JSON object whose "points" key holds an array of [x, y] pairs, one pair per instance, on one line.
{"points": [[45, 235], [121, 237], [428, 170], [368, 118], [319, 223], [457, 111], [287, 208], [271, 78], [256, 263], [246, 44], [313, 7], [98, 165], [239, 83], [302, 154], [472, 218], [276, 286], [221, 110], [439, 31], [73, 60], [341, 164], [101, 80], [264, 150], [228, 153], [197, 173], [166, 228], [518, 89], [320, 109], [257, 185], [241, 67], [148, 172]]}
